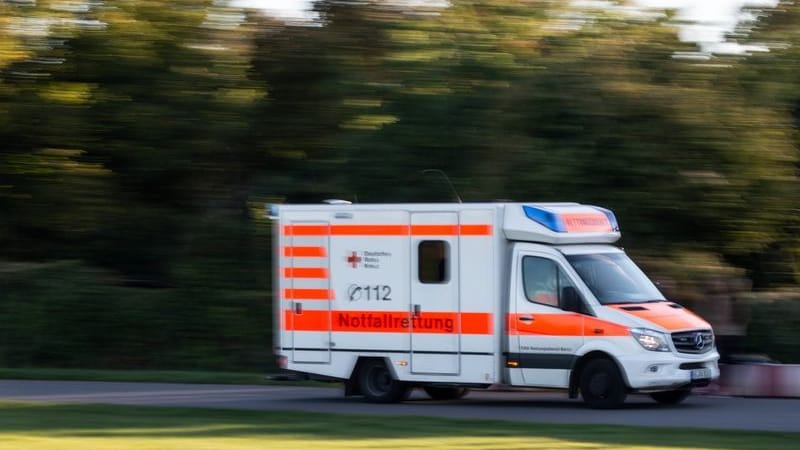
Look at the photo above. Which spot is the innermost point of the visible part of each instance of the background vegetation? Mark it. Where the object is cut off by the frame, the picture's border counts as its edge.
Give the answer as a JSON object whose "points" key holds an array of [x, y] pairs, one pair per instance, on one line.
{"points": [[139, 142]]}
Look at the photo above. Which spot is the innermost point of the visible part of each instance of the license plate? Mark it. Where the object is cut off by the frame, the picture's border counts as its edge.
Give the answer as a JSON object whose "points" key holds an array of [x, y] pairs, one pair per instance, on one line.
{"points": [[701, 374]]}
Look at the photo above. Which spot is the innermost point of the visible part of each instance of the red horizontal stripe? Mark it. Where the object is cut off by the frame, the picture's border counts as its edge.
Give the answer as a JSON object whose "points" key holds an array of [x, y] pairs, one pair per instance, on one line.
{"points": [[389, 322], [388, 230], [434, 230], [306, 230], [369, 230], [308, 294], [475, 230], [569, 324], [305, 252], [305, 272]]}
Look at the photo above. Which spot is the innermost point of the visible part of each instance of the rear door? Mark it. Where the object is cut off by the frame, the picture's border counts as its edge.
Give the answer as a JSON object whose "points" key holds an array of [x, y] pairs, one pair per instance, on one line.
{"points": [[305, 289]]}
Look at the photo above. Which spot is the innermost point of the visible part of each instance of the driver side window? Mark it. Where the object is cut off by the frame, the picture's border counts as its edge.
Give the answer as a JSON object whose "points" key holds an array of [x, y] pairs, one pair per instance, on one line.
{"points": [[545, 283]]}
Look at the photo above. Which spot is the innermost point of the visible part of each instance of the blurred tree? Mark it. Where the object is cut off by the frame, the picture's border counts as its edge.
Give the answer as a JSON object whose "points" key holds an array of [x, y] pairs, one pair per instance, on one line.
{"points": [[45, 186], [771, 81], [168, 98], [323, 85], [663, 140]]}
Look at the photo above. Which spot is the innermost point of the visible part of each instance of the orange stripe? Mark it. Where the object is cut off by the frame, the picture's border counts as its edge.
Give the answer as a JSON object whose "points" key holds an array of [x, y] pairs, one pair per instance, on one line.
{"points": [[569, 324], [475, 230], [308, 294], [305, 252], [593, 326], [435, 230], [680, 323], [476, 323], [388, 322], [388, 230], [661, 313], [305, 272], [307, 321], [306, 230], [369, 230]]}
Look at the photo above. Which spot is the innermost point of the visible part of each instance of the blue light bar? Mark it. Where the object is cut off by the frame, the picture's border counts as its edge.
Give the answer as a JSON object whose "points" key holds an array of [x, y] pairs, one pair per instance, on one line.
{"points": [[546, 218], [272, 211], [573, 218]]}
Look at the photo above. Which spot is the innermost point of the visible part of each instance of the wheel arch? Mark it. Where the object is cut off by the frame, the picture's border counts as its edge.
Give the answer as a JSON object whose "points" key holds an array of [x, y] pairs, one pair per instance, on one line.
{"points": [[580, 364], [351, 384]]}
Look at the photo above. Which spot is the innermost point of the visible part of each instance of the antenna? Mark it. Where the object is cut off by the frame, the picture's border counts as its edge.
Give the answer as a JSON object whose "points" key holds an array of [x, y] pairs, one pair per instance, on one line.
{"points": [[447, 179]]}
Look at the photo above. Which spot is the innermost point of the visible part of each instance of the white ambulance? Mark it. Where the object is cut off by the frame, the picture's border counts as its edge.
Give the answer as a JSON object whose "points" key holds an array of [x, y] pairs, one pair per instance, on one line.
{"points": [[448, 297]]}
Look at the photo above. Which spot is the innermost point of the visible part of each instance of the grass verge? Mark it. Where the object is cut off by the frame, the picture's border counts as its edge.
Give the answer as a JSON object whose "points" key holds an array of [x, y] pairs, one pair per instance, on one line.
{"points": [[40, 426]]}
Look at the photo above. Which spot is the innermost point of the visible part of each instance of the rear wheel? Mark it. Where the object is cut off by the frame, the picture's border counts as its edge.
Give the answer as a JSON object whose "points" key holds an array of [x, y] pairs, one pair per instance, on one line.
{"points": [[445, 393], [377, 384], [671, 397], [601, 385]]}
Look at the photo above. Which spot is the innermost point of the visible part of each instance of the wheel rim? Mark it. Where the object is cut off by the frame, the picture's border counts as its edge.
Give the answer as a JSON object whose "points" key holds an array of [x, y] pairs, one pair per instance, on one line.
{"points": [[599, 385], [379, 380]]}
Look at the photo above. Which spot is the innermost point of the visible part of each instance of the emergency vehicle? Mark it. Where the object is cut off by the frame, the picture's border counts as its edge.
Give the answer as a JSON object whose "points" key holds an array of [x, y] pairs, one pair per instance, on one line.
{"points": [[447, 297]]}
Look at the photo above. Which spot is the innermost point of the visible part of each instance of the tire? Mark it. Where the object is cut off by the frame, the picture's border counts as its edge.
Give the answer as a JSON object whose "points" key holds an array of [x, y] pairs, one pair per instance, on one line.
{"points": [[671, 397], [445, 393], [377, 384], [601, 385]]}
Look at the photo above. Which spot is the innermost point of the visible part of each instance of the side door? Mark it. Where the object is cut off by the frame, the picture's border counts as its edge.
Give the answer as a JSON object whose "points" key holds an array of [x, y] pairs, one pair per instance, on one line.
{"points": [[545, 323], [434, 302]]}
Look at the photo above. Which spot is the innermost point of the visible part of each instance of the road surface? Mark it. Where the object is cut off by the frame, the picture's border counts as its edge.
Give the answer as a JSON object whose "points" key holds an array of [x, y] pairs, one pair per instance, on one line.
{"points": [[544, 407]]}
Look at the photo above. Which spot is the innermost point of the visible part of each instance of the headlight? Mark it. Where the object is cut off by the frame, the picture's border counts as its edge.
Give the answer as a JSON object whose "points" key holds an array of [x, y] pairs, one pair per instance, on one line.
{"points": [[652, 340]]}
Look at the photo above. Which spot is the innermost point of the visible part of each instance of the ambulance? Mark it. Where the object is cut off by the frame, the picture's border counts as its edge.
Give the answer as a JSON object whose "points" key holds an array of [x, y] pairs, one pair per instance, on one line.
{"points": [[450, 297]]}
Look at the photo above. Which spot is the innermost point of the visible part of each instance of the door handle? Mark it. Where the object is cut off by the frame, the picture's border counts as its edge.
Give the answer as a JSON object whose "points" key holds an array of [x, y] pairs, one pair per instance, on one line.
{"points": [[298, 308], [417, 310], [525, 319]]}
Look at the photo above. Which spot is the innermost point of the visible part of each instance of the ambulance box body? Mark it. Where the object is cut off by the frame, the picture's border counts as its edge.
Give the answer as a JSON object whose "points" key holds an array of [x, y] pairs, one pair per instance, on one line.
{"points": [[454, 296]]}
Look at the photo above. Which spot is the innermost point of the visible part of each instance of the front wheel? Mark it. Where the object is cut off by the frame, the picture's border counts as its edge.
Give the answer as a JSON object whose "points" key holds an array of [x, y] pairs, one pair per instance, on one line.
{"points": [[377, 384], [601, 385], [671, 397]]}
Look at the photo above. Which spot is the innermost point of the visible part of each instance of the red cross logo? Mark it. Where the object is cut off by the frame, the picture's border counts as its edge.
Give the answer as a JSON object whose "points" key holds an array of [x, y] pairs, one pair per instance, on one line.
{"points": [[354, 259]]}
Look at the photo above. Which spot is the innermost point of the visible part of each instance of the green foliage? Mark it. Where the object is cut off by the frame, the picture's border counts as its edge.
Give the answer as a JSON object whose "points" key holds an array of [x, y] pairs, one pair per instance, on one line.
{"points": [[69, 315], [774, 329]]}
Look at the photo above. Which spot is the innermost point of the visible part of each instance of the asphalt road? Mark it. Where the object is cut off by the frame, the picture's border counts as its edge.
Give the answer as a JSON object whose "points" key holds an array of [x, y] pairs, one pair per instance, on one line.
{"points": [[699, 411]]}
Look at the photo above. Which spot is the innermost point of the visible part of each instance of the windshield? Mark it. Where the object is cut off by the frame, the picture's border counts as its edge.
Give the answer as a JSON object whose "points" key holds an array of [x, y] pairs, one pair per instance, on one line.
{"points": [[614, 278]]}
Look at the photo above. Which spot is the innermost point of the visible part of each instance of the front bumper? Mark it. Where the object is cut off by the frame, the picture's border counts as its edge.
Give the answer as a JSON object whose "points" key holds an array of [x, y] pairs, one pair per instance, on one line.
{"points": [[654, 371]]}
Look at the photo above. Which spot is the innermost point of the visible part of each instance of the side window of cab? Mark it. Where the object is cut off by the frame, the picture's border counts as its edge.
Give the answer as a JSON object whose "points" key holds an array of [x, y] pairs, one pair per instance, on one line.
{"points": [[545, 283]]}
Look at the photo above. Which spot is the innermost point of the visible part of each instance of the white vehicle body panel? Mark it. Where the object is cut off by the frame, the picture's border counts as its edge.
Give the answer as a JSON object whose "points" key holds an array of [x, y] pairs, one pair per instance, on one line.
{"points": [[356, 281]]}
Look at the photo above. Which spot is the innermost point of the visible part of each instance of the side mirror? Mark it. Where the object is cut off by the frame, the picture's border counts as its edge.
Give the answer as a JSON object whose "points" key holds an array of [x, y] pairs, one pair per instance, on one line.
{"points": [[571, 301]]}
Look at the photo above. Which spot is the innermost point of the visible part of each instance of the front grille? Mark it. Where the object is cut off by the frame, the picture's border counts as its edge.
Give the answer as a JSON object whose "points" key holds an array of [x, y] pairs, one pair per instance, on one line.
{"points": [[690, 366], [695, 341]]}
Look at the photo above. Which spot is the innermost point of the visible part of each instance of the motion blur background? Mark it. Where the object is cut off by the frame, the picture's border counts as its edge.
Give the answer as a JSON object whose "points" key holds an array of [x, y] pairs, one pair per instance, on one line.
{"points": [[140, 141]]}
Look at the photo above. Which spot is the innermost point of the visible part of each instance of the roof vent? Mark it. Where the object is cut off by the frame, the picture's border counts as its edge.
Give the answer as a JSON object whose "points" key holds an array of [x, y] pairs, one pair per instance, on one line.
{"points": [[336, 201]]}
